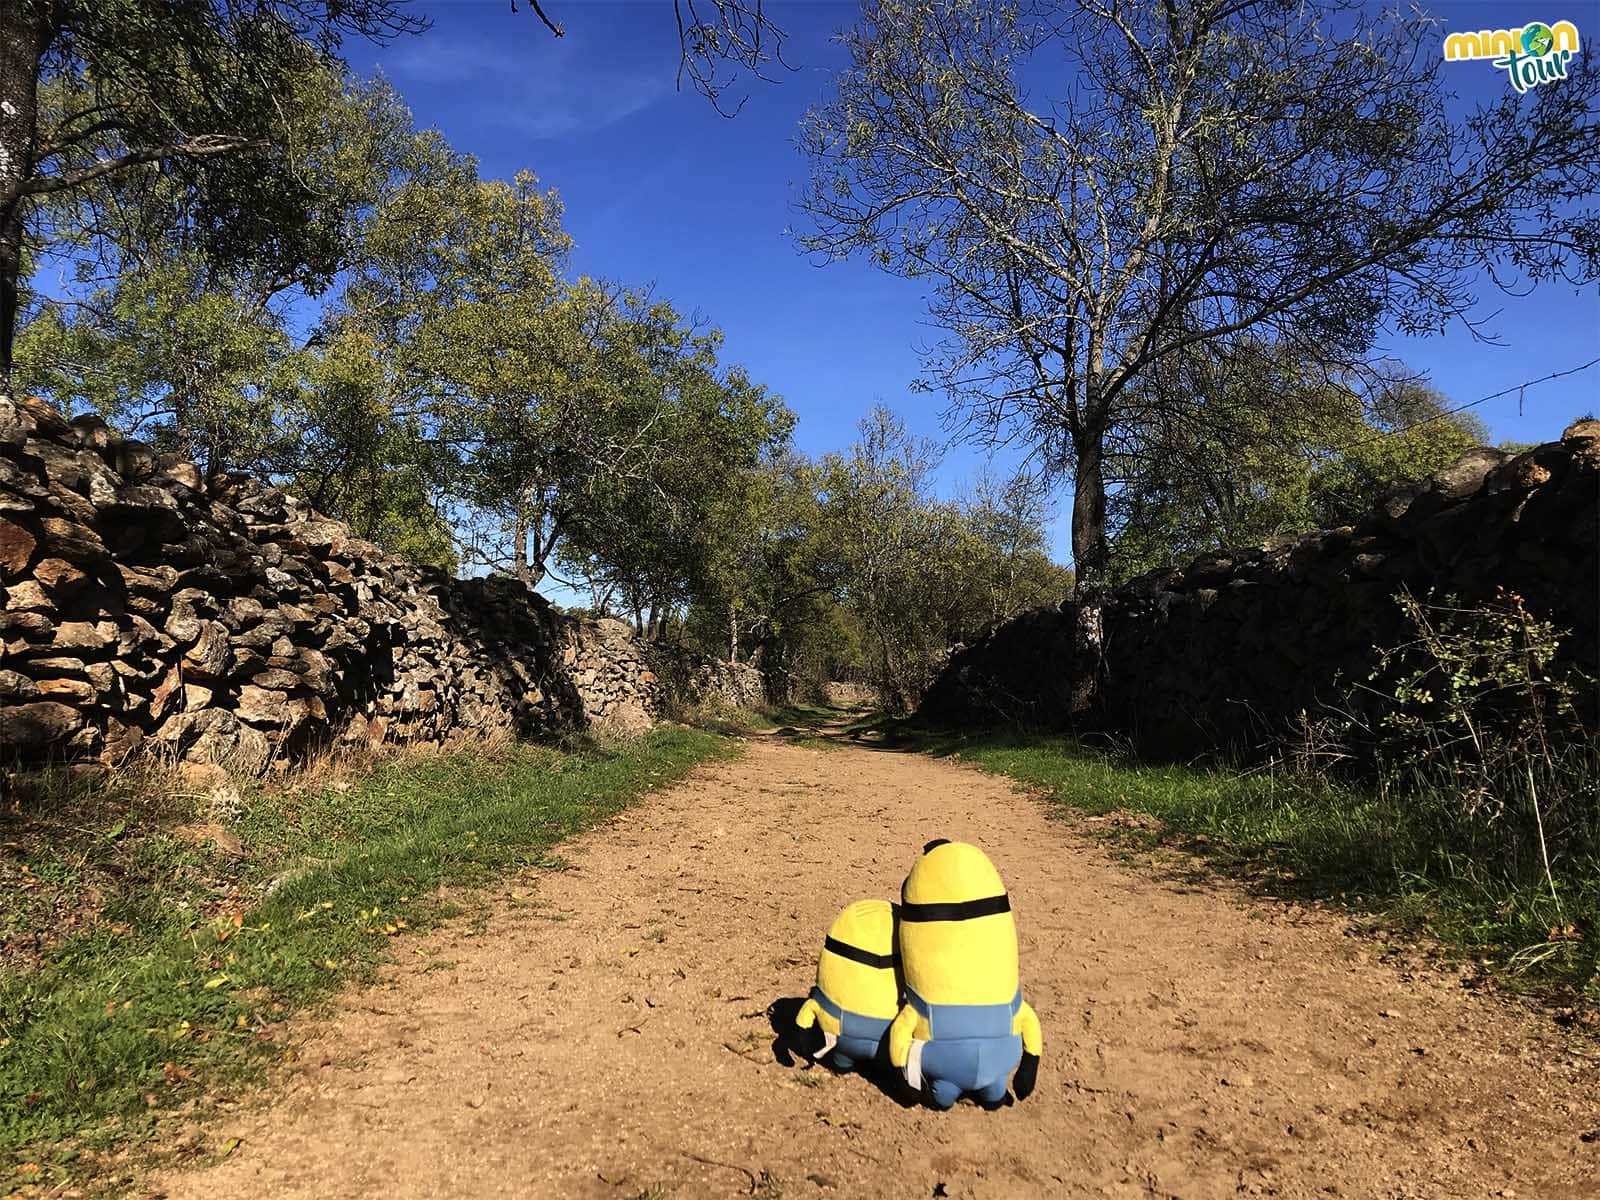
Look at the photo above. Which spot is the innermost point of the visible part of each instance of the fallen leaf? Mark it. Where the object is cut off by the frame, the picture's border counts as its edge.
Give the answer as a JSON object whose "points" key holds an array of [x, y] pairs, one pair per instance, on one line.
{"points": [[217, 982], [227, 1147]]}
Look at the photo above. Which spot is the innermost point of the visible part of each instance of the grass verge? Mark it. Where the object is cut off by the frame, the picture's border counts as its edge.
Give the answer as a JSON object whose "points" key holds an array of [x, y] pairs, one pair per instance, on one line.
{"points": [[1307, 838], [802, 724], [178, 978], [797, 723]]}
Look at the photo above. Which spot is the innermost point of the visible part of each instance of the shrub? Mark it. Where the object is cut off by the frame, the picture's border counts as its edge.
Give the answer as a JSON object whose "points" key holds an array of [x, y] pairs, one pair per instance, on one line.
{"points": [[1479, 717]]}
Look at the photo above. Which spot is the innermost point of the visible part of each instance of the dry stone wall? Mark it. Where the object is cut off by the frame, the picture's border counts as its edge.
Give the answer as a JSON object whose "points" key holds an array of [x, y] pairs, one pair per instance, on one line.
{"points": [[142, 605], [698, 678], [1228, 651]]}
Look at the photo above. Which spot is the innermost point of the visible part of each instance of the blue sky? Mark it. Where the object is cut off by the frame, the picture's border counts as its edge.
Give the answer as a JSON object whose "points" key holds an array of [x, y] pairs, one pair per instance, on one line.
{"points": [[659, 188]]}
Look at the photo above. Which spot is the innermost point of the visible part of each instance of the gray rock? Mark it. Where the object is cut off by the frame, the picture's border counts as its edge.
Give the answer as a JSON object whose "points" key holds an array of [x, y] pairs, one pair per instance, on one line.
{"points": [[33, 726], [1464, 476]]}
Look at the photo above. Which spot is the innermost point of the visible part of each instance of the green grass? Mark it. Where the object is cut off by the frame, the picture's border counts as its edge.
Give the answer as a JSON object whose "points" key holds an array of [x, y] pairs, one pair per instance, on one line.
{"points": [[818, 743], [797, 723], [176, 989], [801, 716], [725, 719], [801, 724], [1309, 838]]}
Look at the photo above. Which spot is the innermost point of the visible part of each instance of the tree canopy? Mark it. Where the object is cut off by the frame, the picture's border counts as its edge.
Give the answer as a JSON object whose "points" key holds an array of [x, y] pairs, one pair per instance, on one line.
{"points": [[210, 92], [1231, 447]]}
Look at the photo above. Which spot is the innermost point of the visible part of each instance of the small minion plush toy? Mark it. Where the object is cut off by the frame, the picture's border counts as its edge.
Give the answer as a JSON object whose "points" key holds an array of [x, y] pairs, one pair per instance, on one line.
{"points": [[965, 1025], [856, 995]]}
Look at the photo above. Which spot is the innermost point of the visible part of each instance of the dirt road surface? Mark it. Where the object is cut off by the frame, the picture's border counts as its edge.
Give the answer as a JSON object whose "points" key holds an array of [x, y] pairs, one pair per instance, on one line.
{"points": [[604, 1032]]}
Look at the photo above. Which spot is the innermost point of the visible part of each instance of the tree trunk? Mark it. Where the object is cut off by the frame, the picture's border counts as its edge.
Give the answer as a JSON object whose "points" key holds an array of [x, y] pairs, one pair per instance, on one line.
{"points": [[1089, 560], [733, 632], [23, 33], [528, 571]]}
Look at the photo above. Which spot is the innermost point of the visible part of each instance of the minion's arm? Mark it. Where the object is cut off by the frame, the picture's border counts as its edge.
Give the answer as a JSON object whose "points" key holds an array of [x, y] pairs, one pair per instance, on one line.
{"points": [[1027, 1024], [900, 1036], [809, 1037], [807, 1016]]}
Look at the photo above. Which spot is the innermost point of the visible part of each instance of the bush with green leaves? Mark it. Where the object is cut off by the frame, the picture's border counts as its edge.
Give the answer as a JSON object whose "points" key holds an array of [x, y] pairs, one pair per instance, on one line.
{"points": [[1480, 713]]}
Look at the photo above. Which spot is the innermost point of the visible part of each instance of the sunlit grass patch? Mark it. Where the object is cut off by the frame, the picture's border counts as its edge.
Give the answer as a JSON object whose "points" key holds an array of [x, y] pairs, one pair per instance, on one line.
{"points": [[178, 984], [1396, 854]]}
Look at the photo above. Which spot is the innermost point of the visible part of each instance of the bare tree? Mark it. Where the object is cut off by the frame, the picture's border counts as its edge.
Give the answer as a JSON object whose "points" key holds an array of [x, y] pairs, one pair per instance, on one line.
{"points": [[1093, 187]]}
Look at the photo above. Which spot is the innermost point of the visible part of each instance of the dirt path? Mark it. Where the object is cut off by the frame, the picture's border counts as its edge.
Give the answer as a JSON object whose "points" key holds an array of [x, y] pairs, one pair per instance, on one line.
{"points": [[606, 1036]]}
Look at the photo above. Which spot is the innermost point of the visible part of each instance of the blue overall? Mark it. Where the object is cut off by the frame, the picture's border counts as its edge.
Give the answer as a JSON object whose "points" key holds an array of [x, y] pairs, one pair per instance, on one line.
{"points": [[859, 1037], [971, 1049]]}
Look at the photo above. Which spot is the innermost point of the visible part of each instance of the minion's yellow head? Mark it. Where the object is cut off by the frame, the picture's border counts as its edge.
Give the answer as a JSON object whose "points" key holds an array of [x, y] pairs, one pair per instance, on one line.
{"points": [[958, 941], [856, 967]]}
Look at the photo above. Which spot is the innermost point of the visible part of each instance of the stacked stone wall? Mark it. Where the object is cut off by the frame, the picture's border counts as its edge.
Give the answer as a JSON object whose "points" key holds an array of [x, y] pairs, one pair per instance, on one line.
{"points": [[1228, 652], [699, 679], [142, 605]]}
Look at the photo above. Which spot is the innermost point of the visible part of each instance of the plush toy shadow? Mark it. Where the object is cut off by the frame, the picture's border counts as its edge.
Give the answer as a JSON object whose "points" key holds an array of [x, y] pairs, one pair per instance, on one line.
{"points": [[792, 1046], [788, 1040]]}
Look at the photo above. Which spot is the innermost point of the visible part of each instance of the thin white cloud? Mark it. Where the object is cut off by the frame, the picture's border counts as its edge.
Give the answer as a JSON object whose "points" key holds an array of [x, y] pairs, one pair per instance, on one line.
{"points": [[553, 89]]}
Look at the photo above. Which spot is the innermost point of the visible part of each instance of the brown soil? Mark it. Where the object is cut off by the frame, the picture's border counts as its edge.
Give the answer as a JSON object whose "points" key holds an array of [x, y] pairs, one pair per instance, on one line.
{"points": [[605, 1034]]}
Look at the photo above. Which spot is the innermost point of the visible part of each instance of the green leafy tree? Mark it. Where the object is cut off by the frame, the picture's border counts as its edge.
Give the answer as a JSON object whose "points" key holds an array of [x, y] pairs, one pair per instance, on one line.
{"points": [[901, 550], [561, 408], [653, 538], [1412, 436], [169, 353], [1008, 563], [774, 577], [167, 339], [193, 91], [354, 455], [1263, 446]]}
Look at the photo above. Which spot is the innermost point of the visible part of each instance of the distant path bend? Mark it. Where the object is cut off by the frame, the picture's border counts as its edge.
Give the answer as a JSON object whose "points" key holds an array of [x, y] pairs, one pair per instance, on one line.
{"points": [[604, 1035]]}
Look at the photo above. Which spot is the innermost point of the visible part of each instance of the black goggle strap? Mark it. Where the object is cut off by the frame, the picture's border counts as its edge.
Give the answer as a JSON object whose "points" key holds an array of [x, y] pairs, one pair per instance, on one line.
{"points": [[961, 910], [856, 954]]}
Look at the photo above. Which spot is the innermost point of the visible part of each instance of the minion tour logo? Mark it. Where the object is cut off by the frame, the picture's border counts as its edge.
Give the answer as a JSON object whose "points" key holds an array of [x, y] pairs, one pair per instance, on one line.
{"points": [[1534, 54]]}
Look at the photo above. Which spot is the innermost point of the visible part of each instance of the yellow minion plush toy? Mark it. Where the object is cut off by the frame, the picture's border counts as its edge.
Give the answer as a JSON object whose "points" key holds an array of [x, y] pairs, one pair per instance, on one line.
{"points": [[965, 1026], [856, 995]]}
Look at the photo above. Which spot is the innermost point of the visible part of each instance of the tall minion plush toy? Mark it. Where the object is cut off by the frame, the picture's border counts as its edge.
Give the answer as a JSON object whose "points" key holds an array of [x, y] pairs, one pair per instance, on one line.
{"points": [[965, 1026], [856, 996]]}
